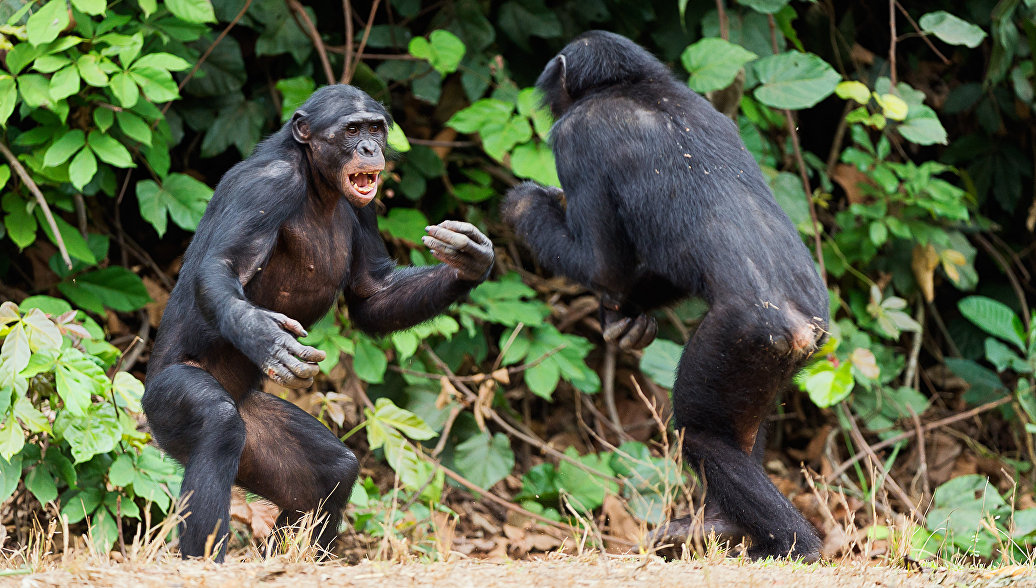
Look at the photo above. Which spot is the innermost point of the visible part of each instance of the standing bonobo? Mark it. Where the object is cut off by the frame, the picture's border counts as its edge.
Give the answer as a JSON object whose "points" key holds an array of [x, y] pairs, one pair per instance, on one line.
{"points": [[287, 230], [662, 201]]}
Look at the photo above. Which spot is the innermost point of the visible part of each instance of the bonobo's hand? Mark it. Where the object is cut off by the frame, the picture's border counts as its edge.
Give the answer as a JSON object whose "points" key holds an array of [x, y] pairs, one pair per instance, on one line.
{"points": [[527, 200], [461, 246], [285, 360], [629, 332]]}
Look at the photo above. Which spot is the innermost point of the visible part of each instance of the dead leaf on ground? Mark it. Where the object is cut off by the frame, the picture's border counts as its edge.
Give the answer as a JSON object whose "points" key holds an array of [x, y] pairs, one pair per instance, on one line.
{"points": [[159, 298], [260, 515], [850, 179], [620, 523]]}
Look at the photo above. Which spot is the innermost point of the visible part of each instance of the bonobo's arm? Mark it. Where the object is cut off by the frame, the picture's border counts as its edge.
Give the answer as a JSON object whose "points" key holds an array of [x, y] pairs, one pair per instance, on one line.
{"points": [[236, 238], [384, 298], [583, 242]]}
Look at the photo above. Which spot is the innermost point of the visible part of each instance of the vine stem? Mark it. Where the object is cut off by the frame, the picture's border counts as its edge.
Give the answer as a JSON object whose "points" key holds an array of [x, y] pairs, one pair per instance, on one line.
{"points": [[31, 185], [801, 163], [892, 45], [314, 36]]}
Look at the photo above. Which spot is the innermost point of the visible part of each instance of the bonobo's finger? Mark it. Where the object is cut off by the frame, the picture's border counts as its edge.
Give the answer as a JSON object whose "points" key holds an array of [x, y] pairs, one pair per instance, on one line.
{"points": [[299, 368], [436, 245], [278, 372], [615, 330], [304, 352], [454, 239], [289, 324], [467, 229], [640, 334]]}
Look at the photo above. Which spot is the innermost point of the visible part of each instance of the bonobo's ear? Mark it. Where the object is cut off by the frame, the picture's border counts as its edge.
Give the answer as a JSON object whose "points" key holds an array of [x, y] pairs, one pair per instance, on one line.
{"points": [[300, 127], [553, 83]]}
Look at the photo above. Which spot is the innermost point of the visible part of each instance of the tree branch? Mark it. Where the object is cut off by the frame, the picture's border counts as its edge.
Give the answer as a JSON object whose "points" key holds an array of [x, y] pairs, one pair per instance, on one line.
{"points": [[31, 185]]}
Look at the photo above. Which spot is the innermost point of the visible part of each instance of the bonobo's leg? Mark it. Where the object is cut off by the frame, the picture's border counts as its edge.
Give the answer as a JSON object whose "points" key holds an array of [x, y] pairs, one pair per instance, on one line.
{"points": [[293, 460], [195, 420], [725, 386]]}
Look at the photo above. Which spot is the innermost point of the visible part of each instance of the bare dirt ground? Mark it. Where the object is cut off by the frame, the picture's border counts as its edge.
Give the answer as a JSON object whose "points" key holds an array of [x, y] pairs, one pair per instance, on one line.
{"points": [[558, 571]]}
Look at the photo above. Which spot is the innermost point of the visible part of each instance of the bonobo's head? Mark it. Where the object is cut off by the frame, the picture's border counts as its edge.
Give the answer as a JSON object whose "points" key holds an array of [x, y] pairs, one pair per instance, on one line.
{"points": [[595, 60], [346, 131]]}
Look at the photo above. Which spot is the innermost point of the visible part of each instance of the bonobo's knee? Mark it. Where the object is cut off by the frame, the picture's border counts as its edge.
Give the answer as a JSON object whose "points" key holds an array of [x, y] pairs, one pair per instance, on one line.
{"points": [[341, 474]]}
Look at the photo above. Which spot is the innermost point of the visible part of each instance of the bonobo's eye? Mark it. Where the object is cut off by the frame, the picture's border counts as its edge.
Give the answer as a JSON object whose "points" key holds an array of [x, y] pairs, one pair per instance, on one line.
{"points": [[375, 128], [352, 129]]}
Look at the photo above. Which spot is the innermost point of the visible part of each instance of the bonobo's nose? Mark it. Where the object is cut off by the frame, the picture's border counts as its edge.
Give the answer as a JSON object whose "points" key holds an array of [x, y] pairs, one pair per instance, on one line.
{"points": [[367, 148]]}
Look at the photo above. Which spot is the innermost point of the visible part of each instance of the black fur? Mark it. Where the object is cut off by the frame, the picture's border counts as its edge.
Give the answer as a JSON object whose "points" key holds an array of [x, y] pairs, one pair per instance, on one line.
{"points": [[281, 238], [663, 201]]}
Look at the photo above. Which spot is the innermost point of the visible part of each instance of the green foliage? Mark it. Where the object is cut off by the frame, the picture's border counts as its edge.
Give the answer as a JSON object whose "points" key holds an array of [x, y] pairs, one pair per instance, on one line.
{"points": [[91, 440]]}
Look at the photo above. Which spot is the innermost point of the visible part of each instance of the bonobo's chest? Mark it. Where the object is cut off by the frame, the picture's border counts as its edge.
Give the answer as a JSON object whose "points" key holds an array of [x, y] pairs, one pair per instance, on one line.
{"points": [[308, 265]]}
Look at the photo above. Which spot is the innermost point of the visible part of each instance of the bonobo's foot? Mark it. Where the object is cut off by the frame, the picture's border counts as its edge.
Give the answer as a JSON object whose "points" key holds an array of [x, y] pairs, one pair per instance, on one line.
{"points": [[692, 530]]}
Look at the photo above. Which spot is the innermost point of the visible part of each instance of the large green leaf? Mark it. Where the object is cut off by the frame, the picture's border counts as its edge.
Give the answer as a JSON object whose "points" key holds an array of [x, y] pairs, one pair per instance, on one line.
{"points": [[794, 80], [114, 287], [47, 22], [369, 361], [183, 197], [484, 460], [8, 98], [198, 11], [96, 431], [714, 63], [586, 491], [294, 92], [660, 360], [952, 30], [404, 223], [78, 378], [442, 49], [765, 6], [108, 150], [995, 318], [63, 148]]}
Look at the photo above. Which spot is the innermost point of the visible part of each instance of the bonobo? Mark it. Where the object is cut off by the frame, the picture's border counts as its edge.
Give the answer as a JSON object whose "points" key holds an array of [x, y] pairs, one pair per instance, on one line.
{"points": [[662, 201], [287, 230]]}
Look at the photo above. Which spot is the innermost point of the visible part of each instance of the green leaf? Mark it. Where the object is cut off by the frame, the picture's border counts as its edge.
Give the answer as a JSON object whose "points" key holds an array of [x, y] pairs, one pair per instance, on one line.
{"points": [[543, 379], [63, 148], [182, 196], [134, 126], [951, 29], [397, 139], [92, 7], [104, 118], [82, 168], [108, 150], [124, 89], [45, 25], [78, 378], [486, 111], [122, 471], [90, 70], [484, 460], [35, 90], [294, 92], [64, 83], [239, 124], [74, 241], [10, 474], [196, 11], [535, 161], [114, 287], [127, 391], [97, 431], [922, 126], [765, 6], [794, 80], [400, 419], [586, 491], [50, 63], [960, 509], [157, 84], [660, 360], [369, 361], [499, 138], [714, 63], [404, 223], [8, 98], [829, 385], [442, 49], [40, 482], [995, 318], [148, 7], [161, 60], [12, 438], [20, 223], [41, 332], [851, 89]]}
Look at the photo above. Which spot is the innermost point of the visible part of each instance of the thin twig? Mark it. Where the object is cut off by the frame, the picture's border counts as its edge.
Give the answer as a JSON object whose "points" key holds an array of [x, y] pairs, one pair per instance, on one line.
{"points": [[892, 45], [611, 350], [886, 477], [915, 350], [347, 6], [31, 185], [724, 21], [923, 35], [314, 36], [351, 67], [922, 454], [801, 163], [929, 427], [205, 56]]}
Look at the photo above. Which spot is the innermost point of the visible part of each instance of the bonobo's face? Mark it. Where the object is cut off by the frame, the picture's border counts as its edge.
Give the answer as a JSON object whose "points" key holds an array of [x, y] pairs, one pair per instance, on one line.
{"points": [[348, 150]]}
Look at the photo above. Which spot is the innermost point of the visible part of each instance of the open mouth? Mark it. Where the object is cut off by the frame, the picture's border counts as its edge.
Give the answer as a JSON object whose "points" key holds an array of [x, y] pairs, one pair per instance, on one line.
{"points": [[364, 185]]}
